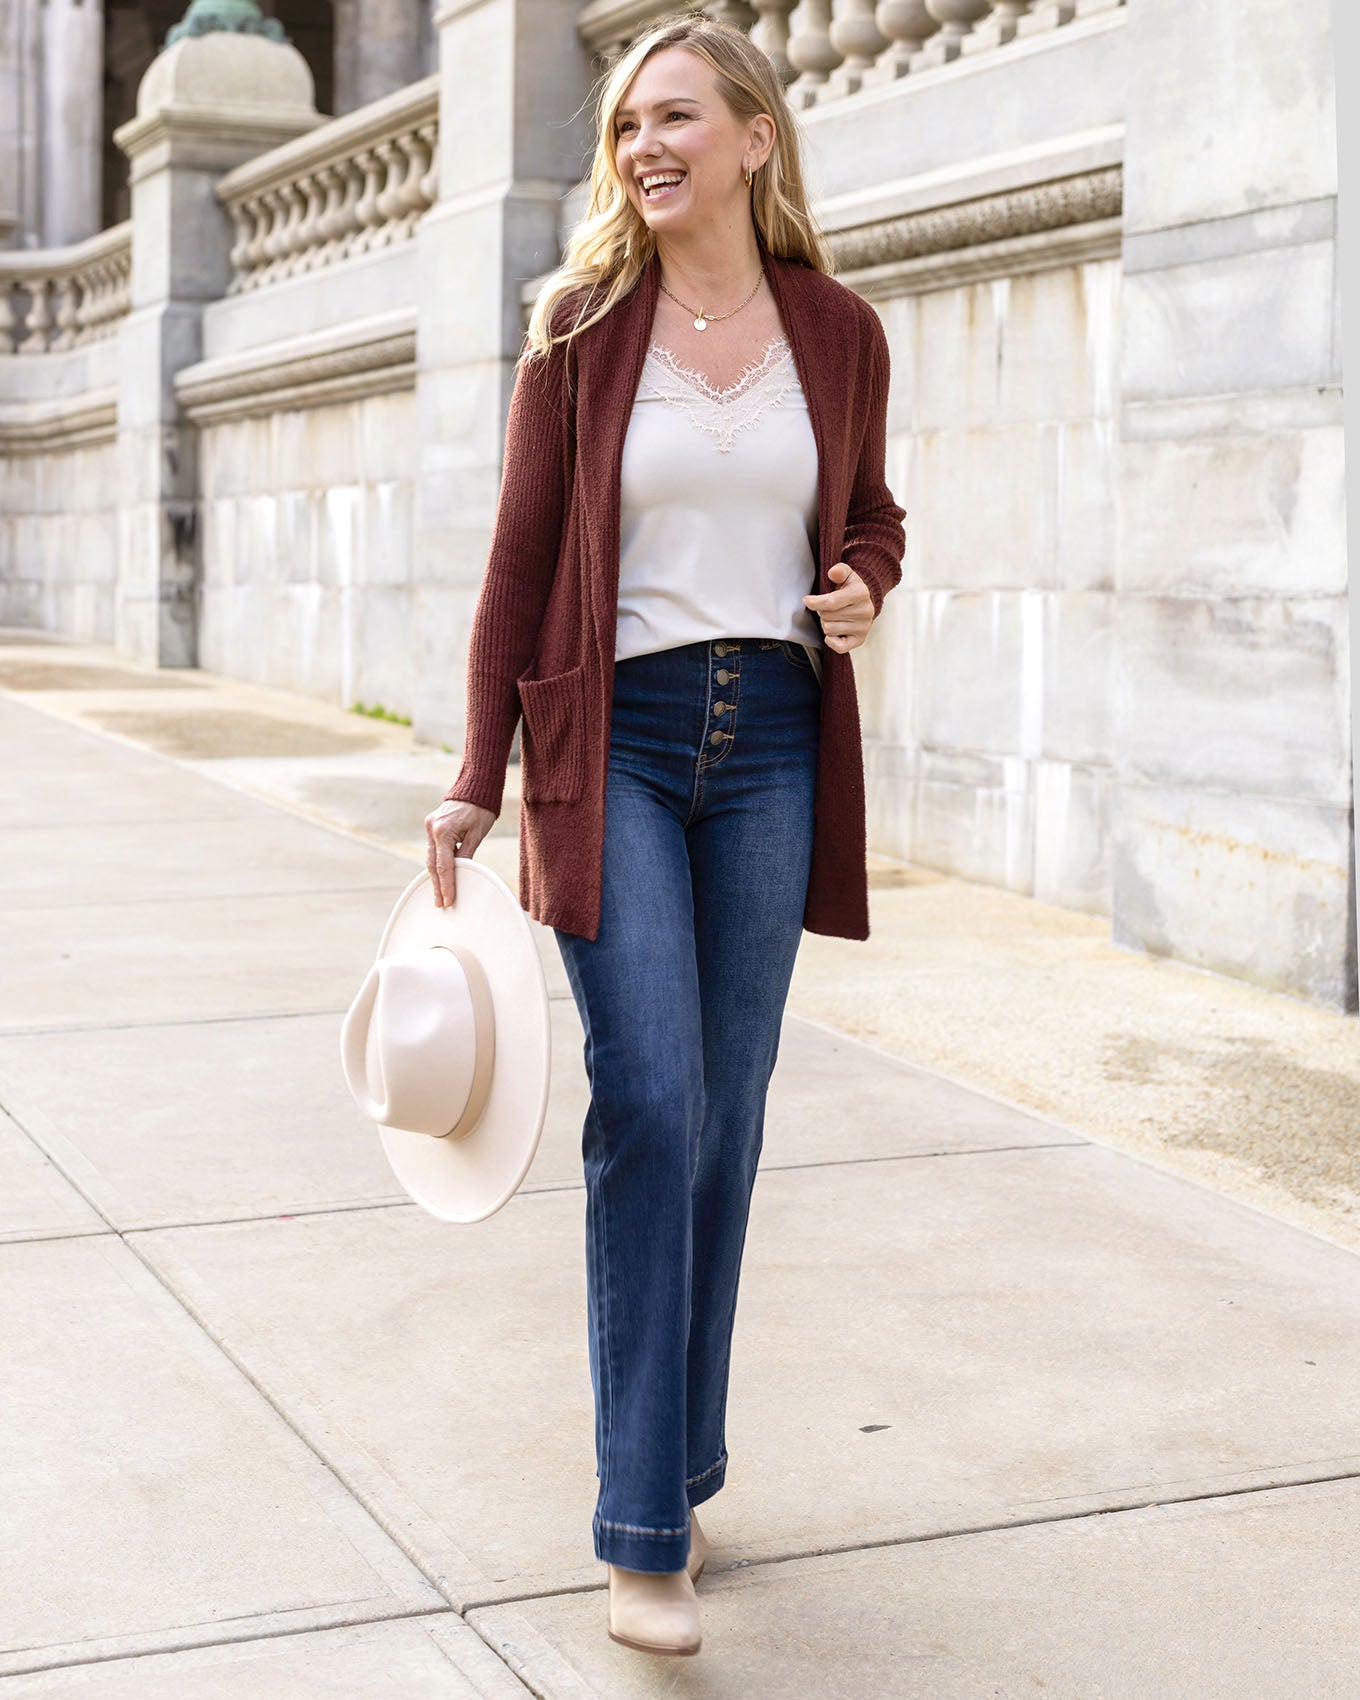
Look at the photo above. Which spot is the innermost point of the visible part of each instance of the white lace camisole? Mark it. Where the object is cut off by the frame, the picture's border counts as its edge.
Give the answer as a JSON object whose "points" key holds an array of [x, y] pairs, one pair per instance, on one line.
{"points": [[718, 507]]}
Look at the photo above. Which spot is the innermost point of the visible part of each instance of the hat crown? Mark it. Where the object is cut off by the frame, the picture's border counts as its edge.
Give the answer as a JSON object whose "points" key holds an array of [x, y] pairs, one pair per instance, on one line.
{"points": [[448, 1044], [418, 1041]]}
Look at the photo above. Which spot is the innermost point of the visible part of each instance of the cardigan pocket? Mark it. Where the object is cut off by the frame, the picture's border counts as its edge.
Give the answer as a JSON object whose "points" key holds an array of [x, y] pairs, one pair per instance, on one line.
{"points": [[552, 747]]}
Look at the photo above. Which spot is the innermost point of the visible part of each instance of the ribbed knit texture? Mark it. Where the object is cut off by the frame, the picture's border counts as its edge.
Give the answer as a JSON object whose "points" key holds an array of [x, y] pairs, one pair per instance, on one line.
{"points": [[543, 633]]}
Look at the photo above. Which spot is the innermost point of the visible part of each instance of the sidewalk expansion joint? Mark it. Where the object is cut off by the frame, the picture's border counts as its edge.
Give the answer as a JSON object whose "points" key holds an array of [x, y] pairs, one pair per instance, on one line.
{"points": [[187, 1644]]}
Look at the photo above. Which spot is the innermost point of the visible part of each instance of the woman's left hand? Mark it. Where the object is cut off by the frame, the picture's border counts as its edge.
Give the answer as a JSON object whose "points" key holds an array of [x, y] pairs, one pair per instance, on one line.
{"points": [[847, 612]]}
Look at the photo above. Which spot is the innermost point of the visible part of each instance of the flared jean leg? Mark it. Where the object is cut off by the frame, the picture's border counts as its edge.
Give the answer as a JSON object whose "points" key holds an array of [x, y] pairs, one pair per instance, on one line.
{"points": [[636, 988], [707, 852], [750, 855]]}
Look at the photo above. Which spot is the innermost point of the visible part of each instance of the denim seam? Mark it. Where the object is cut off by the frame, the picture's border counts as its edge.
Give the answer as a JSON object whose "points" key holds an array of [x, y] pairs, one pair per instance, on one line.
{"points": [[692, 1481], [608, 1339], [637, 1529]]}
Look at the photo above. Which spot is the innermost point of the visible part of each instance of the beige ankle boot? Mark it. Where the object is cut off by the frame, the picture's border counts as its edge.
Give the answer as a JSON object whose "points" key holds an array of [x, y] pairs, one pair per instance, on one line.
{"points": [[698, 1548], [656, 1611]]}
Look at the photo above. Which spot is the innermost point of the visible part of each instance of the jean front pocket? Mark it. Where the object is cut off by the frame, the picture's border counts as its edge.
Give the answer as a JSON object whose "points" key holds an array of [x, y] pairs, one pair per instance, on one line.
{"points": [[552, 746]]}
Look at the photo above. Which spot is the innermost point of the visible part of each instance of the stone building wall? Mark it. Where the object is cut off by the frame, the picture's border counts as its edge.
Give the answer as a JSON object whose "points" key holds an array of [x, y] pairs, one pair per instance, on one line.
{"points": [[986, 692], [59, 541], [307, 518], [1101, 237]]}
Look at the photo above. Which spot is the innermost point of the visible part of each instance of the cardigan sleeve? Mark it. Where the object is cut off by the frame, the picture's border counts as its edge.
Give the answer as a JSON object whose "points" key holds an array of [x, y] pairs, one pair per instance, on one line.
{"points": [[519, 572], [875, 541]]}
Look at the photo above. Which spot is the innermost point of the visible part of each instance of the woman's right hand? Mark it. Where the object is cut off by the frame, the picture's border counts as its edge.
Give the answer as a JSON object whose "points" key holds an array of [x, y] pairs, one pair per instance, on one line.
{"points": [[454, 829]]}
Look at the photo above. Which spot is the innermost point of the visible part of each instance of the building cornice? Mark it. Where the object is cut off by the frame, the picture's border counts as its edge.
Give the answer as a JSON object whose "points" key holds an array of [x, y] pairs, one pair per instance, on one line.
{"points": [[347, 363], [47, 427], [1062, 222]]}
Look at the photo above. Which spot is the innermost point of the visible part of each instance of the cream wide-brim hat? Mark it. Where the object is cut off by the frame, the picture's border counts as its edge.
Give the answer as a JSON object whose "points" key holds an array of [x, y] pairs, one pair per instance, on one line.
{"points": [[449, 1036]]}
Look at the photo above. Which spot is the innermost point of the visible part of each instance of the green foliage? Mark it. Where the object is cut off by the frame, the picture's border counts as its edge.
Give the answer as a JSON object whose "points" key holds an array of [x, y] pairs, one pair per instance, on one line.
{"points": [[378, 712]]}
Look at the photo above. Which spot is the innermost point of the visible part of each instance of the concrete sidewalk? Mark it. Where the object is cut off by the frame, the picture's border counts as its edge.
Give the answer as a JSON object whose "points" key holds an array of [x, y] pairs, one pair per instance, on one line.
{"points": [[1013, 1410]]}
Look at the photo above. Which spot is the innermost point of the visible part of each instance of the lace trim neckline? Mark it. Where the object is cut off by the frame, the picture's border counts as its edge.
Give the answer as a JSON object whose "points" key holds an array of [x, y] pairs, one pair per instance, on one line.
{"points": [[725, 392], [722, 411]]}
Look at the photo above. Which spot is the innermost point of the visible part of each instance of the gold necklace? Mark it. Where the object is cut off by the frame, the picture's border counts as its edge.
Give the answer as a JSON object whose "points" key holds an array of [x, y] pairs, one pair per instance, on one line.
{"points": [[700, 317]]}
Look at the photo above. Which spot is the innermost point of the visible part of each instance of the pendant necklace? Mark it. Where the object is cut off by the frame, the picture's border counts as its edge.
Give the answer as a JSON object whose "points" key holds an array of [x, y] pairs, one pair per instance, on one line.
{"points": [[701, 318]]}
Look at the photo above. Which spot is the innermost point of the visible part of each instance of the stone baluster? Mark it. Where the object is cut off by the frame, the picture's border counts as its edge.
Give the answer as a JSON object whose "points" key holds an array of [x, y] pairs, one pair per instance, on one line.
{"points": [[120, 299], [243, 223], [97, 308], [999, 28], [39, 318], [275, 209], [90, 303], [412, 195], [734, 12], [9, 319], [294, 249], [1047, 15], [307, 241], [908, 26], [263, 213], [770, 32], [331, 225], [389, 201], [95, 301], [429, 183], [811, 51], [68, 308], [285, 205], [955, 18], [856, 36], [366, 208], [350, 227], [113, 300]]}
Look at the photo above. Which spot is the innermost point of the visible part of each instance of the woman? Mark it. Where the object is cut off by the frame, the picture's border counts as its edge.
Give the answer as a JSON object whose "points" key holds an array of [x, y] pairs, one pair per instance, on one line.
{"points": [[695, 439]]}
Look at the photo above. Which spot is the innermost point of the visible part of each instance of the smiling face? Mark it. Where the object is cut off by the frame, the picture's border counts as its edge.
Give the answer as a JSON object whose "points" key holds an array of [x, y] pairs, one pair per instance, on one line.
{"points": [[672, 122]]}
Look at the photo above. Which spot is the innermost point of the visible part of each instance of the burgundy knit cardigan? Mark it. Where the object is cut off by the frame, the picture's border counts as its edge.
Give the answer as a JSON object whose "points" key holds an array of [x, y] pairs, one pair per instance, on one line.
{"points": [[543, 633]]}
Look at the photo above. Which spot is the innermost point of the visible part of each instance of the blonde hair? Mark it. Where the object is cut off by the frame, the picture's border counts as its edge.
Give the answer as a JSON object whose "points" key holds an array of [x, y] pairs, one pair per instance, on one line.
{"points": [[607, 252]]}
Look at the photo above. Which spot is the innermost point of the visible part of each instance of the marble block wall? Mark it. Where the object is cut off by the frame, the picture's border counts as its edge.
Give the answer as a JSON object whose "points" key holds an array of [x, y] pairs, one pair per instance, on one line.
{"points": [[1233, 834], [59, 516], [307, 549], [985, 688]]}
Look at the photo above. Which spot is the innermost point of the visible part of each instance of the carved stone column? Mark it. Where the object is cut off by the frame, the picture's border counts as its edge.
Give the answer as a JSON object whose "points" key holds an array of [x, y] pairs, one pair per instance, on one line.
{"points": [[389, 51], [493, 226], [72, 120], [224, 90], [346, 55], [21, 125]]}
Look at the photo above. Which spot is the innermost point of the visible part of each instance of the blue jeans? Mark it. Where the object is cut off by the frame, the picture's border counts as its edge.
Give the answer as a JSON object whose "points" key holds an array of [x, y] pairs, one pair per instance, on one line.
{"points": [[707, 850]]}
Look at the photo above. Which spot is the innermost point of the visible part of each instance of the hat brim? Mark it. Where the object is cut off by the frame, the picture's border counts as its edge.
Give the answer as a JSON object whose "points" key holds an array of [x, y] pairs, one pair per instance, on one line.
{"points": [[470, 1178]]}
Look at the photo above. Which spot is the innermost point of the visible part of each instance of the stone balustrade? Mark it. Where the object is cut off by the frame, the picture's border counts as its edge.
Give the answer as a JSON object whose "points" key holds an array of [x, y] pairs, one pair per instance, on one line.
{"points": [[826, 49], [57, 298], [352, 186]]}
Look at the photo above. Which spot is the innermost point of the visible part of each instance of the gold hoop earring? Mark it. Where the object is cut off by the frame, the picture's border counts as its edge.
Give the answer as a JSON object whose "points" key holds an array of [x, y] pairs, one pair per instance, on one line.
{"points": [[749, 175]]}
